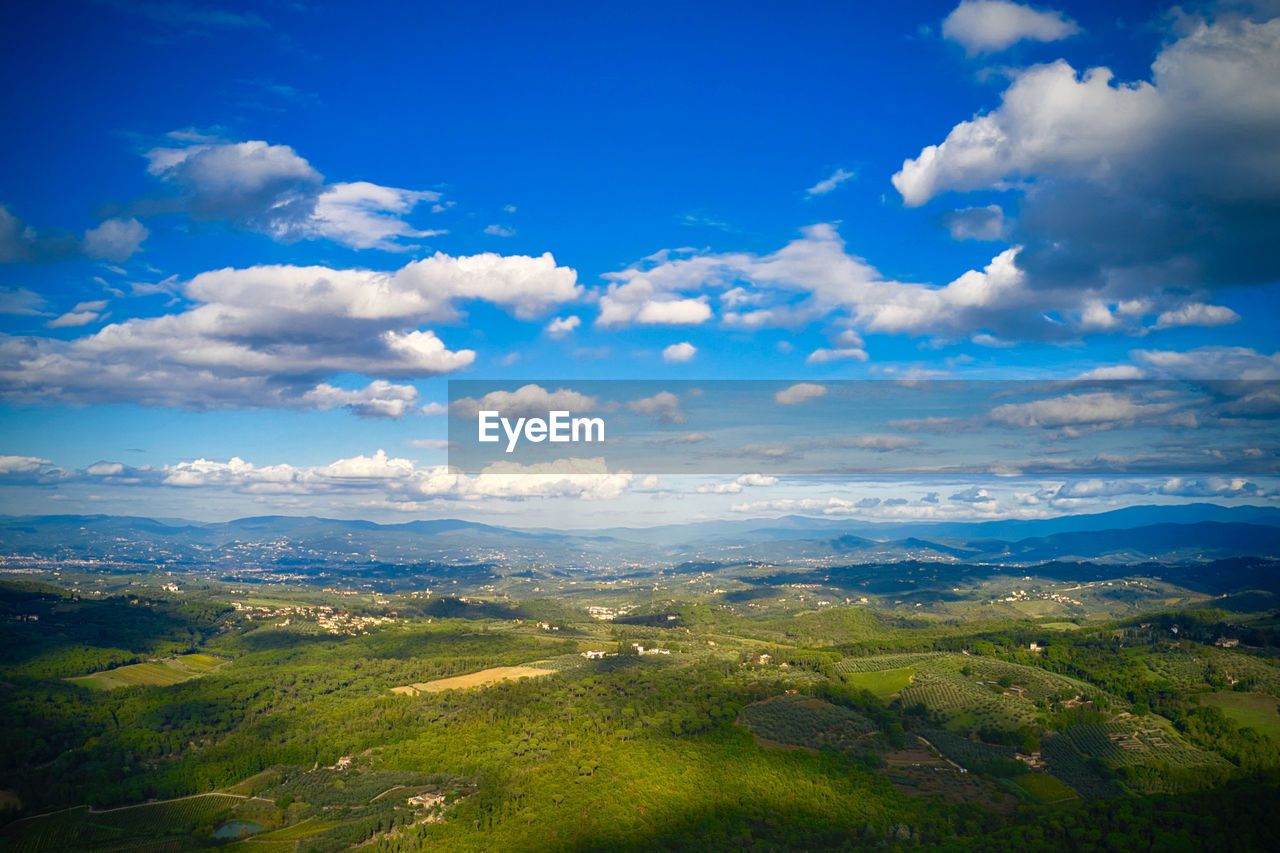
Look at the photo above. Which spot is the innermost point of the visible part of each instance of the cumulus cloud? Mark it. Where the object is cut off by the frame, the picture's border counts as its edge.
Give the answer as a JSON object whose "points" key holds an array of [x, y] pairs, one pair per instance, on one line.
{"points": [[799, 393], [826, 185], [400, 480], [1209, 363], [663, 407], [561, 327], [271, 189], [29, 470], [269, 336], [1092, 411], [114, 240], [1212, 487], [735, 486], [368, 216], [972, 495], [683, 351], [988, 26], [1132, 188], [1197, 314], [378, 399], [21, 464], [1077, 493], [816, 277], [526, 401], [636, 298]]}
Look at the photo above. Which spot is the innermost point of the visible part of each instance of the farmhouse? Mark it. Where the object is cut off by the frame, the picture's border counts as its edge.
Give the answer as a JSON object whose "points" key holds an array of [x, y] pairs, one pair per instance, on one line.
{"points": [[426, 800]]}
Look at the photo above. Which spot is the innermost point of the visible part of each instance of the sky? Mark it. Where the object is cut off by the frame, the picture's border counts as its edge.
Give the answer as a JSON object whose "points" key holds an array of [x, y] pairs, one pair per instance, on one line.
{"points": [[244, 248]]}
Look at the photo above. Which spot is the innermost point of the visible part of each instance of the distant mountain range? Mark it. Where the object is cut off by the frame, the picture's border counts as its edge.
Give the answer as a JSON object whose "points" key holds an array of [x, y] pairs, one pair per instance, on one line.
{"points": [[1187, 534]]}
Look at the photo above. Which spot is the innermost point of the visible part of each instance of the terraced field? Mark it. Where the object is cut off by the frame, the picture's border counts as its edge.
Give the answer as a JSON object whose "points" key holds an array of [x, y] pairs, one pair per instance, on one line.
{"points": [[156, 673], [1186, 669], [972, 691], [140, 827], [803, 721], [879, 663]]}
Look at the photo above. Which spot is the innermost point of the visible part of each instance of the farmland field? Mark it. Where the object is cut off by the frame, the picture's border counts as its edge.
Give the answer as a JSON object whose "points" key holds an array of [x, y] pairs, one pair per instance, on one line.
{"points": [[1255, 710], [884, 683], [1045, 788], [156, 673], [483, 678], [128, 828]]}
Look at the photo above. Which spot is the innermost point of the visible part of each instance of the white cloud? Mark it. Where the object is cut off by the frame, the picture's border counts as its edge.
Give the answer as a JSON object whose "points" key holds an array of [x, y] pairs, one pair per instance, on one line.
{"points": [[271, 189], [761, 292], [115, 239], [1210, 363], [561, 327], [987, 26], [736, 486], [105, 469], [663, 407], [826, 185], [1118, 371], [635, 302], [1197, 314], [368, 216], [526, 401], [1096, 488], [683, 351], [719, 488], [972, 495], [378, 399], [72, 318], [499, 231], [1076, 413], [1212, 487], [253, 184], [267, 336], [823, 356], [799, 393], [21, 464], [1132, 188]]}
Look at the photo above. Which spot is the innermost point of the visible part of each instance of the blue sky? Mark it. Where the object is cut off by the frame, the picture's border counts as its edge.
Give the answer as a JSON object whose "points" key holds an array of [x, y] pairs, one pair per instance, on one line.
{"points": [[266, 235]]}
